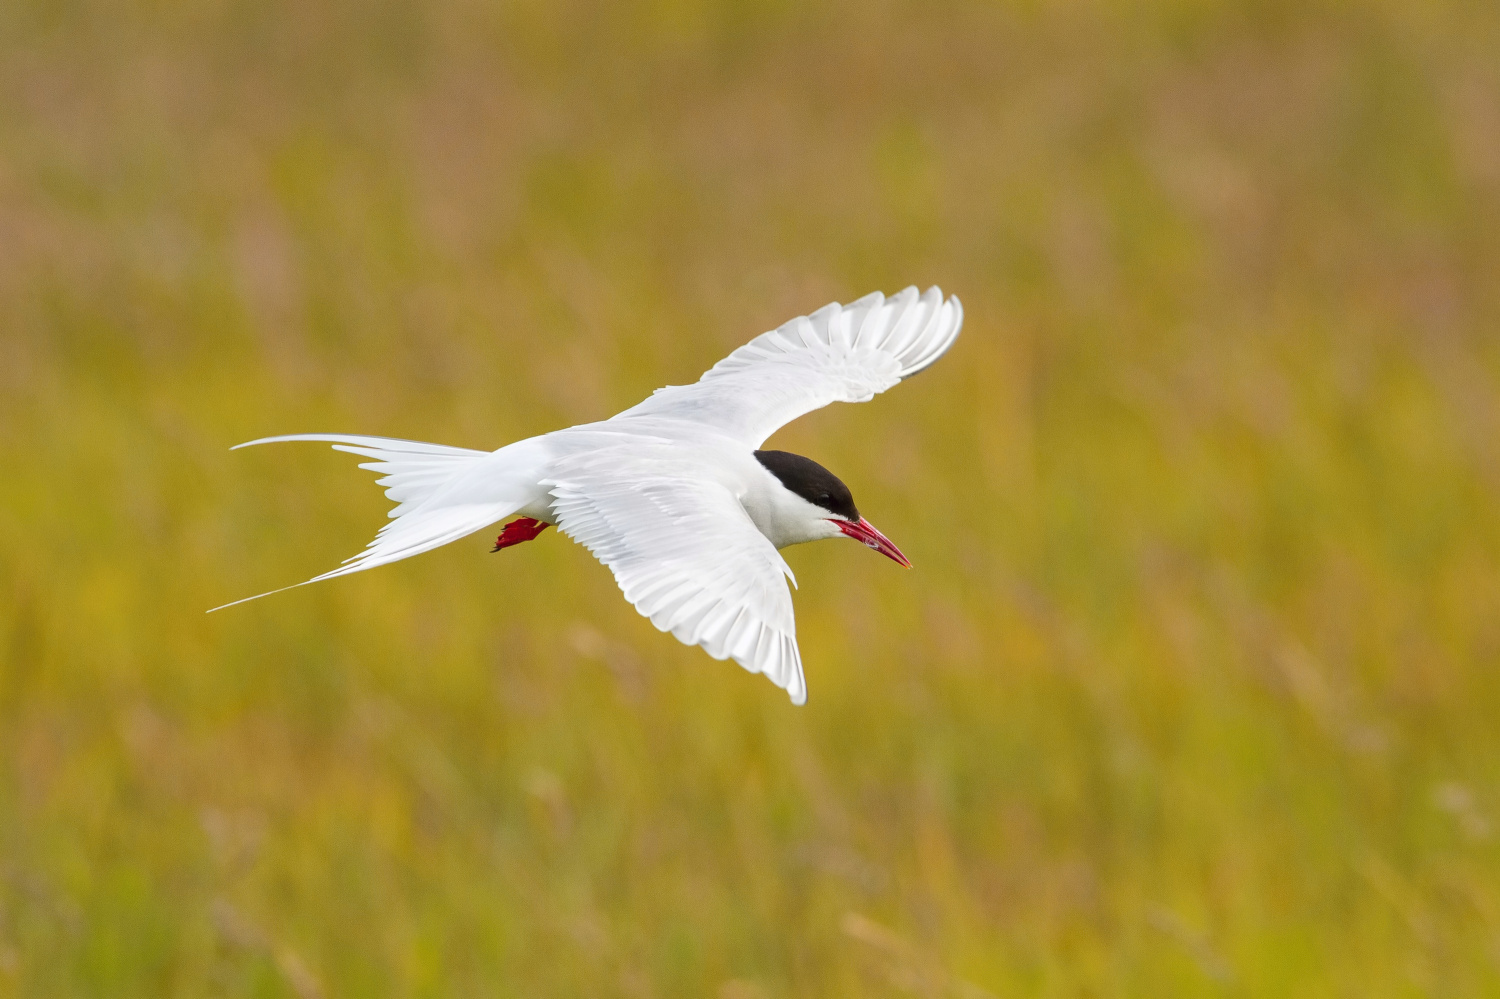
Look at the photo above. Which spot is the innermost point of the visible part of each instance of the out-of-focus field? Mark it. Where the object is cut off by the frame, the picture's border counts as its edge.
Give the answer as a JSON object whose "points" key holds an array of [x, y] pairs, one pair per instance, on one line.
{"points": [[1195, 689]]}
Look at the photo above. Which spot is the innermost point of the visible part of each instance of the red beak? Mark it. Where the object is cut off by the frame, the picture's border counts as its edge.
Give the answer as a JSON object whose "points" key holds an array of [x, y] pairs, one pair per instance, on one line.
{"points": [[864, 532]]}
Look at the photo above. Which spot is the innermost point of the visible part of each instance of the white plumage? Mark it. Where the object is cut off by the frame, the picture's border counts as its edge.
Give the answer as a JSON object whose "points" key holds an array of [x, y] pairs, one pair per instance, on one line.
{"points": [[841, 353], [670, 494]]}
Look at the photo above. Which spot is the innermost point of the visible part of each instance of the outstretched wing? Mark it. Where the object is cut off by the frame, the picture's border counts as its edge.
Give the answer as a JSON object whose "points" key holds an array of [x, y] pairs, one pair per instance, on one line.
{"points": [[841, 353], [684, 553]]}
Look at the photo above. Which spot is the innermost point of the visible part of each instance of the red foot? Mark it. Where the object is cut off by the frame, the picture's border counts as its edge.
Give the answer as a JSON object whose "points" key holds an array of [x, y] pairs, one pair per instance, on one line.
{"points": [[517, 531]]}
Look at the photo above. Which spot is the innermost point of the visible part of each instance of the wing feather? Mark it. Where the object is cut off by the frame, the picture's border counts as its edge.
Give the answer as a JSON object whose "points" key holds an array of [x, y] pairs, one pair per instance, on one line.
{"points": [[840, 353], [684, 553]]}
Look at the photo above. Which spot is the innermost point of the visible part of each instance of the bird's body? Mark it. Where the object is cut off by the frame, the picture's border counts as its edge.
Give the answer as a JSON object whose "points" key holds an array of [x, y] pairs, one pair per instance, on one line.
{"points": [[674, 494]]}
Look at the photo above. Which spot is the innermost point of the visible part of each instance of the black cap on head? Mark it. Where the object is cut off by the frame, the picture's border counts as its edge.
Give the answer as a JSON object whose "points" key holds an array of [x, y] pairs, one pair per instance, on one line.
{"points": [[811, 481]]}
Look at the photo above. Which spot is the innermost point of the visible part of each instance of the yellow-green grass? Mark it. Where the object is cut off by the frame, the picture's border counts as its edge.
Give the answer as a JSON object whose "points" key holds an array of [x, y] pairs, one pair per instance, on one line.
{"points": [[1195, 689]]}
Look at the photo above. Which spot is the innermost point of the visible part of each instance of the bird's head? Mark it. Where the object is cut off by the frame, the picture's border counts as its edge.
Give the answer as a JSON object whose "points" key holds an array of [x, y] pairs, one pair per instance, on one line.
{"points": [[827, 507]]}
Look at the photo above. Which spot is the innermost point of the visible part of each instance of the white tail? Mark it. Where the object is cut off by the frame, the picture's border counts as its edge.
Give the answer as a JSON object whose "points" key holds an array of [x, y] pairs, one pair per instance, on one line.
{"points": [[441, 494]]}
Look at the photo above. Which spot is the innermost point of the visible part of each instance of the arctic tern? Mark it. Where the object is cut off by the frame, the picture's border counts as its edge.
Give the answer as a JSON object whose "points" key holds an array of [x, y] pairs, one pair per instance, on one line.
{"points": [[674, 495]]}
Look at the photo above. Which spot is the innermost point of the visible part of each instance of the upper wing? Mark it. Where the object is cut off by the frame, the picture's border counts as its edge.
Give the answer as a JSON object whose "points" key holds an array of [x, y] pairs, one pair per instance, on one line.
{"points": [[685, 553], [845, 353]]}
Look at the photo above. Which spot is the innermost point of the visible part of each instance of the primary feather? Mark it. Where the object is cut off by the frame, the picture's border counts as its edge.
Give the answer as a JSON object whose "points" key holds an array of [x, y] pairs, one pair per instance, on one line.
{"points": [[841, 353]]}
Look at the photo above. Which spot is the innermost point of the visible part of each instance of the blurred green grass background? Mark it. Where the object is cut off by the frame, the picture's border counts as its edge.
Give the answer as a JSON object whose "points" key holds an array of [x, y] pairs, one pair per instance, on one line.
{"points": [[1194, 690]]}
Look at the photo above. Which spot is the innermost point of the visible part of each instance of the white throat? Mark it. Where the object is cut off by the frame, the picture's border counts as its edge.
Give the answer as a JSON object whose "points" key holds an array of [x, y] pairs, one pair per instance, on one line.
{"points": [[783, 516]]}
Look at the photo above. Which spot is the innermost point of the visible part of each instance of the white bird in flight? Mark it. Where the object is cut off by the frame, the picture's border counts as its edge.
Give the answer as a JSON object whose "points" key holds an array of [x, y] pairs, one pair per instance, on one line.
{"points": [[674, 495]]}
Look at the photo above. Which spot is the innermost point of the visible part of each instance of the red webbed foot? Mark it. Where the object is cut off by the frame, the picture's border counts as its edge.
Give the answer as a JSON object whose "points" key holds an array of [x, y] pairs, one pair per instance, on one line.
{"points": [[519, 530]]}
